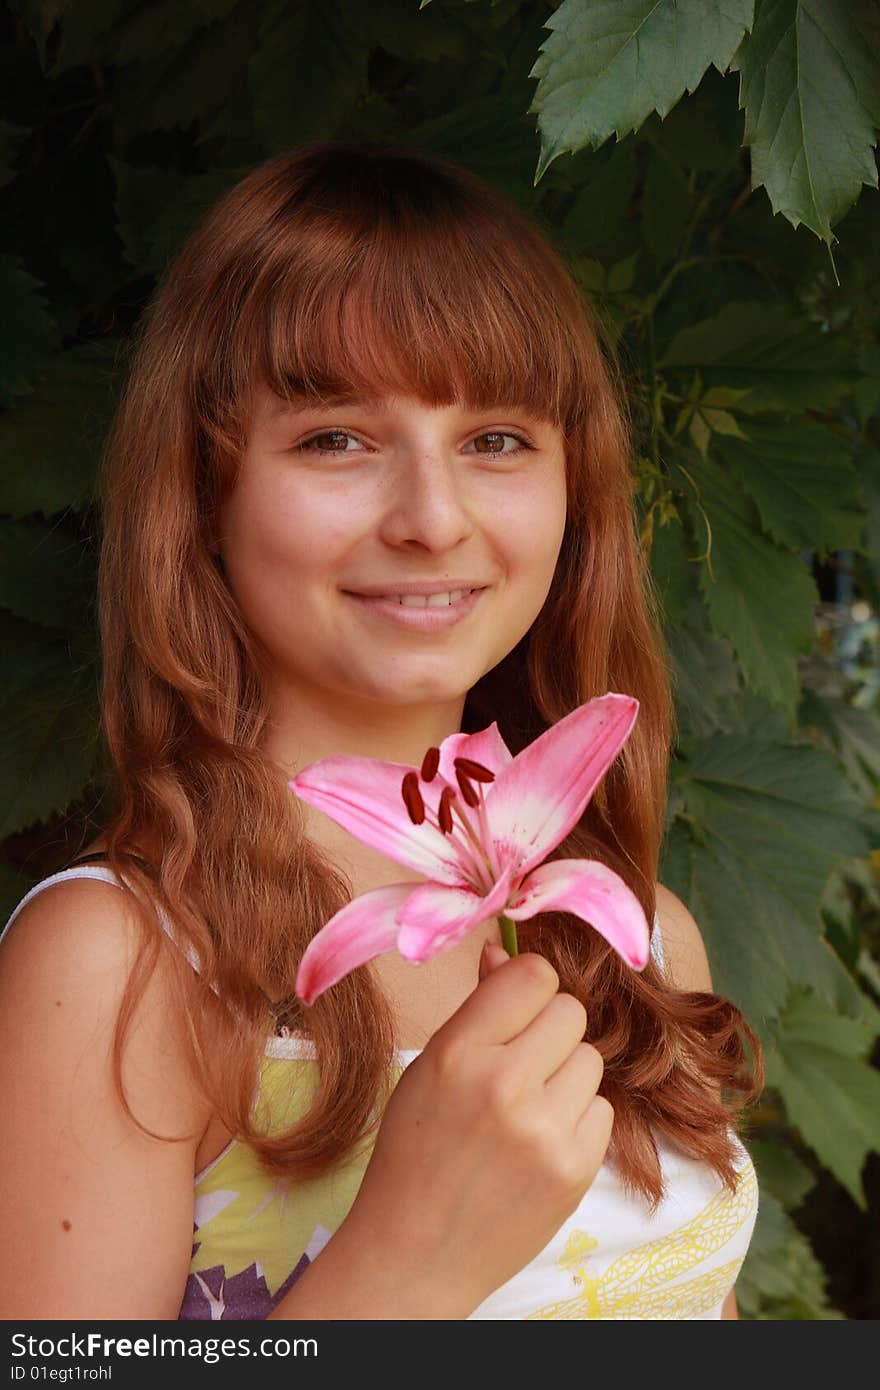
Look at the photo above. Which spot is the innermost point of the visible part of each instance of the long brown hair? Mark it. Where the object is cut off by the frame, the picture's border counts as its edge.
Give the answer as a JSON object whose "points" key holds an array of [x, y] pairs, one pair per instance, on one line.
{"points": [[440, 288]]}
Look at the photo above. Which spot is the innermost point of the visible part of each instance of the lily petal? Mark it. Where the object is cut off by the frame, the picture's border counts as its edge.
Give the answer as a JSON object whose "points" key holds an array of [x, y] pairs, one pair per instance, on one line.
{"points": [[364, 928], [593, 892], [538, 797], [363, 796], [486, 747], [435, 918]]}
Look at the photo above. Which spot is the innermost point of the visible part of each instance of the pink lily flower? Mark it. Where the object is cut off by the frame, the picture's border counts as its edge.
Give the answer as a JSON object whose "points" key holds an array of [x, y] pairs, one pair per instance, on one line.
{"points": [[478, 823]]}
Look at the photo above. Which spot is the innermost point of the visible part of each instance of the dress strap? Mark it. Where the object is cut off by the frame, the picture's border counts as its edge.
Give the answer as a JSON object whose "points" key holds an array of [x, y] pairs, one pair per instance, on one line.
{"points": [[657, 946], [87, 866]]}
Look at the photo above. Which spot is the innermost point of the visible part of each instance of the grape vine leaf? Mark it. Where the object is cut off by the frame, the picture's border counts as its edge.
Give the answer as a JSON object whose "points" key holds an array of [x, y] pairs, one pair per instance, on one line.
{"points": [[831, 1092], [28, 333], [608, 64], [770, 352], [810, 86], [781, 1279], [803, 482], [761, 597], [759, 828], [50, 442], [48, 726], [44, 574]]}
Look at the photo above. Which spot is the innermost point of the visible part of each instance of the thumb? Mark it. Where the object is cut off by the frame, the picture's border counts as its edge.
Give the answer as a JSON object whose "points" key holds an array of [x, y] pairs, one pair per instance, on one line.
{"points": [[492, 955]]}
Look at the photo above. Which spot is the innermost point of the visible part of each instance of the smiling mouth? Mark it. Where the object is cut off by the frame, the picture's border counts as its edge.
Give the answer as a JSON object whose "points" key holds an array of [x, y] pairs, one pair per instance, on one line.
{"points": [[442, 600], [420, 612]]}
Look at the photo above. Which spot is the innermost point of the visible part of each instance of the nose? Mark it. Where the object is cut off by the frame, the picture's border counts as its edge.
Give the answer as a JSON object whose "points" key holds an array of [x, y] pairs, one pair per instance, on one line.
{"points": [[428, 504]]}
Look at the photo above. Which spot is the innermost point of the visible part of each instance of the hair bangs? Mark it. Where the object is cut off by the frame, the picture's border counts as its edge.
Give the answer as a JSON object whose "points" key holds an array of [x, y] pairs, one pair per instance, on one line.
{"points": [[447, 311]]}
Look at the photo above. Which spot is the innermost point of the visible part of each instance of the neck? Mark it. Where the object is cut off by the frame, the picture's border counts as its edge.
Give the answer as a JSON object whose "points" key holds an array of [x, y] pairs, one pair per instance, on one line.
{"points": [[311, 726]]}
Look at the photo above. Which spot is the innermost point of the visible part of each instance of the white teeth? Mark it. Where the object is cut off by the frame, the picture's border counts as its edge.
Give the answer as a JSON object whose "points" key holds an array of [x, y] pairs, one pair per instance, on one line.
{"points": [[430, 600]]}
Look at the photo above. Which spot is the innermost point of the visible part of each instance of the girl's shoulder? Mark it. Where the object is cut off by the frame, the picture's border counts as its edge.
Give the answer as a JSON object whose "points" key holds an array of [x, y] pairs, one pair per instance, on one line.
{"points": [[75, 1167], [685, 962], [66, 955]]}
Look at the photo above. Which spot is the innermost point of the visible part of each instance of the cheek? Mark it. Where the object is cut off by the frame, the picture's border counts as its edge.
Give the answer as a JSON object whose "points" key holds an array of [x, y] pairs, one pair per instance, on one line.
{"points": [[530, 527], [282, 531]]}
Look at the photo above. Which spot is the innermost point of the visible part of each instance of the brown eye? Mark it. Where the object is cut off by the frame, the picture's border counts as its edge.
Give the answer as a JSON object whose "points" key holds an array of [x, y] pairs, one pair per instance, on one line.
{"points": [[496, 440], [333, 439]]}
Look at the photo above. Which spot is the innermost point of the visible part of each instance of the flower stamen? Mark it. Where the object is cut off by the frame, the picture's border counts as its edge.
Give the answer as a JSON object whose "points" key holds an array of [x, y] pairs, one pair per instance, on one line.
{"points": [[412, 798], [430, 764], [474, 864], [466, 769]]}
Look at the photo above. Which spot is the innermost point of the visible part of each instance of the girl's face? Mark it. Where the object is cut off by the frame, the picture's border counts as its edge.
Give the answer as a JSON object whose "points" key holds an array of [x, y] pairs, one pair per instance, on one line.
{"points": [[376, 495]]}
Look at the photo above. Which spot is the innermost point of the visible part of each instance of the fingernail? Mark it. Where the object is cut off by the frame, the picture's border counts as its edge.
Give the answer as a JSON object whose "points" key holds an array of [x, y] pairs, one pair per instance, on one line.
{"points": [[483, 968]]}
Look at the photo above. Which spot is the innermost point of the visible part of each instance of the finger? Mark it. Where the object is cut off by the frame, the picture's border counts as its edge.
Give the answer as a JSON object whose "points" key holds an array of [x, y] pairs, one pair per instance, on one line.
{"points": [[549, 1040], [594, 1131], [491, 957], [573, 1086], [505, 1002]]}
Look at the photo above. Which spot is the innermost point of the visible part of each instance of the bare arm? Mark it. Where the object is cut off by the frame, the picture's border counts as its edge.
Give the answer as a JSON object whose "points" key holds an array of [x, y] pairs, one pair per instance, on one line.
{"points": [[687, 966], [96, 1216], [729, 1308]]}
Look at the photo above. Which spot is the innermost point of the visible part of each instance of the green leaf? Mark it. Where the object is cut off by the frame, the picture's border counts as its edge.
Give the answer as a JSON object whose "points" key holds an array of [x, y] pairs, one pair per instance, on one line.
{"points": [[39, 18], [196, 78], [673, 571], [157, 208], [50, 442], [11, 139], [667, 204], [781, 1173], [781, 1279], [770, 351], [306, 73], [810, 86], [13, 887], [44, 574], [700, 433], [594, 219], [705, 680], [48, 726], [802, 479], [721, 421], [152, 31], [867, 391], [853, 733], [760, 828], [831, 1094], [622, 274], [761, 597], [488, 134], [400, 30], [609, 63], [28, 332], [698, 133]]}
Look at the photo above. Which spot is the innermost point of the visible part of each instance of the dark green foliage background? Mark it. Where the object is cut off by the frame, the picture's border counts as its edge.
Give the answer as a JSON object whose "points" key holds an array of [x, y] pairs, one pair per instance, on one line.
{"points": [[750, 347]]}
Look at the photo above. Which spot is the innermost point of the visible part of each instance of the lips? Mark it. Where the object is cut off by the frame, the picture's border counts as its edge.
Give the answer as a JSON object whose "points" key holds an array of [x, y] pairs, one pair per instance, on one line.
{"points": [[423, 617]]}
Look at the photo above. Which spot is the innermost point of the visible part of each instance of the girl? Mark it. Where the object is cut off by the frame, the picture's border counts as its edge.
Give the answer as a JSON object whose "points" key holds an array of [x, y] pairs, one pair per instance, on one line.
{"points": [[367, 373]]}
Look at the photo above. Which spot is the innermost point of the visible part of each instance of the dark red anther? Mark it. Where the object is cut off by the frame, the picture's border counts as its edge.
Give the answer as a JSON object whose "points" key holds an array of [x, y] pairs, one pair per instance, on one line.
{"points": [[475, 771], [412, 798], [430, 764], [471, 797], [444, 810]]}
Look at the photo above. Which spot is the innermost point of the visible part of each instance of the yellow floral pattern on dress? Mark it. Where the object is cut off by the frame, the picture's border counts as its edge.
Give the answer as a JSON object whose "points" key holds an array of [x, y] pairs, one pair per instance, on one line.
{"points": [[646, 1283], [253, 1226]]}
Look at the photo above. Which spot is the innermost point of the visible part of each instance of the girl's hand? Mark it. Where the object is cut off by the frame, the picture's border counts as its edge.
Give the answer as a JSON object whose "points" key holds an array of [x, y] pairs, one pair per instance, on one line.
{"points": [[488, 1142]]}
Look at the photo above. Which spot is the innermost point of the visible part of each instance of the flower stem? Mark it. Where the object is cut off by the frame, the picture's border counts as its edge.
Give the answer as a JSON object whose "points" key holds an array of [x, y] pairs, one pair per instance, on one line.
{"points": [[508, 935]]}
